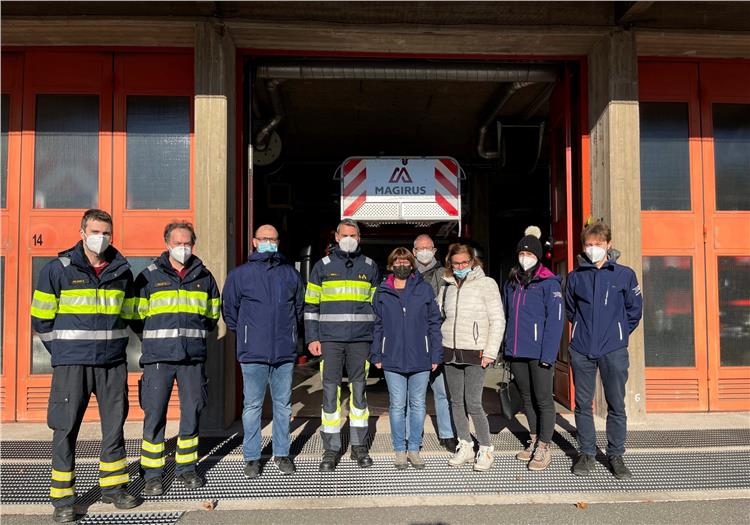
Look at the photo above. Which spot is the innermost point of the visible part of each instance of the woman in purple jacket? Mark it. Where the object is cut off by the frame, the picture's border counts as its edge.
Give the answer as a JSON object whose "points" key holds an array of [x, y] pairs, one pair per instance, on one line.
{"points": [[407, 345], [533, 304]]}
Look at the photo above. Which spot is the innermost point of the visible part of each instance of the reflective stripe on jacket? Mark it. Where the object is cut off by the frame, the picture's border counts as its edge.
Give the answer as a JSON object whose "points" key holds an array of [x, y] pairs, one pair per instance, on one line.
{"points": [[80, 318], [338, 300], [173, 316]]}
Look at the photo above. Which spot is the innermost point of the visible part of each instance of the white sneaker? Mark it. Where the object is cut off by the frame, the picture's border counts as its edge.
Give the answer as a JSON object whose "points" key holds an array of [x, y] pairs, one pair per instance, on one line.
{"points": [[485, 458], [464, 453]]}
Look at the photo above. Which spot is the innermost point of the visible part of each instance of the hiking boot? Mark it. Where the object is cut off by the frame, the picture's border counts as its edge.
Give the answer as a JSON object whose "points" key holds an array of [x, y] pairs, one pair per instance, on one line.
{"points": [[252, 469], [449, 444], [191, 480], [415, 459], [121, 499], [584, 464], [285, 465], [484, 459], [542, 457], [154, 487], [618, 468], [464, 453], [400, 462], [360, 455], [526, 453], [64, 514], [329, 461]]}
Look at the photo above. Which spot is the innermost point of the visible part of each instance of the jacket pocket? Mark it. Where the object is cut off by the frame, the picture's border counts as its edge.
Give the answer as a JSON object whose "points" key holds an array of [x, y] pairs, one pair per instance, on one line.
{"points": [[426, 345], [619, 327], [573, 334], [536, 333]]}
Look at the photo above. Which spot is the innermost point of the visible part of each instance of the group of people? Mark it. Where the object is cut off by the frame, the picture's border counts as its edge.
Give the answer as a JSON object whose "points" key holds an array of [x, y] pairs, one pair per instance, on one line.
{"points": [[425, 324]]}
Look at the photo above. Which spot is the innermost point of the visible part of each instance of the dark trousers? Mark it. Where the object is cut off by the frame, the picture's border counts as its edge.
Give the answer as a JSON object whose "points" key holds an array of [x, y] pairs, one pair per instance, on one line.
{"points": [[535, 384], [613, 369], [156, 389], [355, 357], [72, 386]]}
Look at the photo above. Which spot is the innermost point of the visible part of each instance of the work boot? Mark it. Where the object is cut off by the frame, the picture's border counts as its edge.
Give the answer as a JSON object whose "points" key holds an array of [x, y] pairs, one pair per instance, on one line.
{"points": [[618, 468], [542, 457], [449, 444], [252, 469], [360, 455], [329, 462], [464, 453], [154, 487], [401, 463], [584, 465], [285, 465], [415, 459], [484, 459], [526, 453], [64, 514], [191, 480], [121, 499]]}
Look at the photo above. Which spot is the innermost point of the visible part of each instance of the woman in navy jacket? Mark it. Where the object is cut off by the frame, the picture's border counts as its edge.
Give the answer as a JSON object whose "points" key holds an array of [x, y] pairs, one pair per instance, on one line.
{"points": [[407, 345], [533, 304]]}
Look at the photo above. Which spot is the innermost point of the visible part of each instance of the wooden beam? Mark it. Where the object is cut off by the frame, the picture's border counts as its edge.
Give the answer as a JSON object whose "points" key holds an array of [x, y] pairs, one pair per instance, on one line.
{"points": [[628, 12]]}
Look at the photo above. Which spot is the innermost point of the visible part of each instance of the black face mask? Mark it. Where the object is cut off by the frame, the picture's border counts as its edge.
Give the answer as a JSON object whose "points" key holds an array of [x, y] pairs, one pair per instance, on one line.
{"points": [[402, 272]]}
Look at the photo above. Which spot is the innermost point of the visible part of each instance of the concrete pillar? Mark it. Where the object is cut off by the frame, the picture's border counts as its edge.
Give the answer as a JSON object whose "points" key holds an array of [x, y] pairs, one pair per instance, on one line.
{"points": [[214, 210], [615, 174]]}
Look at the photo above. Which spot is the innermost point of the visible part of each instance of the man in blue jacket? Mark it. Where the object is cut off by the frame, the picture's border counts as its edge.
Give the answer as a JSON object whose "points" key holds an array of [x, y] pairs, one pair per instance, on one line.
{"points": [[81, 307], [177, 305], [339, 324], [603, 301], [262, 305]]}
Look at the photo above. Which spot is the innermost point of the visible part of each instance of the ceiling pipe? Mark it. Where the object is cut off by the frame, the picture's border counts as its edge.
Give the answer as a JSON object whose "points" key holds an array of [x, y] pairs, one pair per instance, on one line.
{"points": [[328, 70], [509, 91], [261, 138]]}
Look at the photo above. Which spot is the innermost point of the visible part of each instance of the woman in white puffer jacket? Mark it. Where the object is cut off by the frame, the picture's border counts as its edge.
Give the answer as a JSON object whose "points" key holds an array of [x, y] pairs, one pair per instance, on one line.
{"points": [[472, 331]]}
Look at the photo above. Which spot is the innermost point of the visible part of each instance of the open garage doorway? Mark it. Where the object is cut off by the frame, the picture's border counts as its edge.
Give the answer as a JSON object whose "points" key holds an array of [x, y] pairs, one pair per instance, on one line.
{"points": [[507, 124]]}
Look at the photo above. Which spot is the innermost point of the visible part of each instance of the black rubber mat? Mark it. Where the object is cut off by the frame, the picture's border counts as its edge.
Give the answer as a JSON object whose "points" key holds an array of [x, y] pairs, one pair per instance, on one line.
{"points": [[310, 443], [135, 518], [28, 483]]}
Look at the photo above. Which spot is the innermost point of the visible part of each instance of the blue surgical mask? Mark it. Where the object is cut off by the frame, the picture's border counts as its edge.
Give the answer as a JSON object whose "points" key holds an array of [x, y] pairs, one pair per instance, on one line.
{"points": [[267, 246], [462, 273]]}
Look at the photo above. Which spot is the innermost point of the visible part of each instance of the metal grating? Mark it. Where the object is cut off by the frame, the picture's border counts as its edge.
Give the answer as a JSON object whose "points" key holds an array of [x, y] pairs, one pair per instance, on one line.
{"points": [[28, 483], [135, 518], [307, 443]]}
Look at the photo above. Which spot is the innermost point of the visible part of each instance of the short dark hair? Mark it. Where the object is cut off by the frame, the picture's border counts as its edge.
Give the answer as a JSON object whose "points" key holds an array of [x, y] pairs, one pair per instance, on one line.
{"points": [[95, 214], [401, 253], [598, 229], [169, 228]]}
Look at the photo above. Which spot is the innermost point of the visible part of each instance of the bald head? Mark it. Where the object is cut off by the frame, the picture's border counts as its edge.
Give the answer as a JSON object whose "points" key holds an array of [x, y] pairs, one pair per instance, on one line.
{"points": [[424, 250], [264, 235], [423, 242]]}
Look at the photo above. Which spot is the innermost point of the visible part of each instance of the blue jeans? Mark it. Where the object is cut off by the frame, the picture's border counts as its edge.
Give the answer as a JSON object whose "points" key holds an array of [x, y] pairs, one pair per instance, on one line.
{"points": [[442, 407], [255, 378], [400, 387], [613, 369]]}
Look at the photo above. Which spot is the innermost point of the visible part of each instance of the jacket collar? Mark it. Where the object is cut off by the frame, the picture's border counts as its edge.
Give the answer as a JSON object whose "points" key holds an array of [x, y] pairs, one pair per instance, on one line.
{"points": [[270, 258], [165, 264], [78, 258], [476, 273]]}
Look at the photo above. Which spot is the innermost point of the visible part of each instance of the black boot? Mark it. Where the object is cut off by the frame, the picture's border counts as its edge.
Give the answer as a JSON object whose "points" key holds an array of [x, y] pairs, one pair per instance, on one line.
{"points": [[64, 514], [329, 462], [153, 487], [360, 455], [618, 468], [584, 465], [121, 499], [449, 444], [191, 480]]}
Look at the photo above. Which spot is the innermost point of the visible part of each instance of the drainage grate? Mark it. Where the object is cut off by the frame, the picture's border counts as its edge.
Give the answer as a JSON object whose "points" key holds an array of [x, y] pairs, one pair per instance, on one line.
{"points": [[28, 483], [136, 518], [311, 443]]}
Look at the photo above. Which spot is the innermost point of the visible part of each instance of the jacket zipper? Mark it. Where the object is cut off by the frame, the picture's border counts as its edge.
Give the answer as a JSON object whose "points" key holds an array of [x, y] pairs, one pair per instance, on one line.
{"points": [[245, 334], [515, 331], [476, 333], [619, 327], [382, 346], [574, 330], [455, 317], [606, 297], [559, 312], [535, 333], [426, 345]]}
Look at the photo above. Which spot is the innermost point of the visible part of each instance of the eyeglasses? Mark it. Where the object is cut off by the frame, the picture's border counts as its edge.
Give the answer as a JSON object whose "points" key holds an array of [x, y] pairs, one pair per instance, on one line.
{"points": [[267, 239], [459, 264]]}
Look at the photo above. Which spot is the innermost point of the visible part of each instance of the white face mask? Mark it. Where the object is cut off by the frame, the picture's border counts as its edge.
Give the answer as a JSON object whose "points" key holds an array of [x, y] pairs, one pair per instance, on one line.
{"points": [[97, 243], [595, 253], [348, 244], [180, 253], [527, 261], [425, 256]]}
